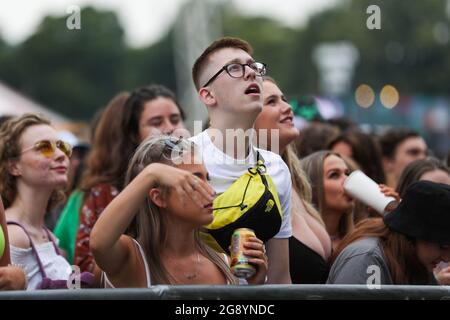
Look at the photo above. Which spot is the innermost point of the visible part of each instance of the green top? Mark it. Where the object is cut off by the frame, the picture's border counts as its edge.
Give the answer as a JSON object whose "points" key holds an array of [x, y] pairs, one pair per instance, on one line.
{"points": [[2, 242], [67, 225]]}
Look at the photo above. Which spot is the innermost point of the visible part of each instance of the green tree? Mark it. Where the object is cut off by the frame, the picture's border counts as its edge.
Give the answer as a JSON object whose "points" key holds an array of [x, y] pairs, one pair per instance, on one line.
{"points": [[73, 71], [76, 72], [405, 52], [270, 40], [151, 64]]}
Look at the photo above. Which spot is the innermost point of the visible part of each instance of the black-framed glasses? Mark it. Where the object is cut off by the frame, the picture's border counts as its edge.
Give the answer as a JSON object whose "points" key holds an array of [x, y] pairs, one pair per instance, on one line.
{"points": [[237, 70]]}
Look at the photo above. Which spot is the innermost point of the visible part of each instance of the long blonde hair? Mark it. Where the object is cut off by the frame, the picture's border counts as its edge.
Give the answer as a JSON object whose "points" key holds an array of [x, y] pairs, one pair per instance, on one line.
{"points": [[313, 167], [300, 182], [150, 226]]}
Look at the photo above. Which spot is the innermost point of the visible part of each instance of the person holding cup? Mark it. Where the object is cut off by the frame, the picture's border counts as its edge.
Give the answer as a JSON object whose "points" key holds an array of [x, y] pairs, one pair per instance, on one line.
{"points": [[359, 186], [327, 171], [402, 248]]}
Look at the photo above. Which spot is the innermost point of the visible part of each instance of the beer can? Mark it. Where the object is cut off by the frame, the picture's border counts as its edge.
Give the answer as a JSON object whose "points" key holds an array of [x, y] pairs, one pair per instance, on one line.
{"points": [[240, 266]]}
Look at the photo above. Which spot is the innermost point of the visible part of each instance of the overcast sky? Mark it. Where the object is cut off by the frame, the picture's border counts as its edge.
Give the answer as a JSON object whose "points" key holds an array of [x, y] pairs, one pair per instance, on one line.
{"points": [[144, 21]]}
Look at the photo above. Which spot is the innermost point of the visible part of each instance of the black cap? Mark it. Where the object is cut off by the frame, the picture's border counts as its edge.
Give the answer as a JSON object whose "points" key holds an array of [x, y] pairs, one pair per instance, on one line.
{"points": [[423, 213]]}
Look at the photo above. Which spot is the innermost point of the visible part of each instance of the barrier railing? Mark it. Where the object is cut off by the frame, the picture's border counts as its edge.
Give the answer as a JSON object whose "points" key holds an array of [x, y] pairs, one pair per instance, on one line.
{"points": [[266, 292]]}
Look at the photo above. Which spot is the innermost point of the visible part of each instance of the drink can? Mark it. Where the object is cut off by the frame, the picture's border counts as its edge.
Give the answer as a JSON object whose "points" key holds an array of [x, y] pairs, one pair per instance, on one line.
{"points": [[240, 266]]}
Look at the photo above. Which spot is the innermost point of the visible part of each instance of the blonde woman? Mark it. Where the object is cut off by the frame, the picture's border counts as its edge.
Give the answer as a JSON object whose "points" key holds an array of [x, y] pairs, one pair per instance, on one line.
{"points": [[128, 119], [165, 202], [310, 245], [327, 172]]}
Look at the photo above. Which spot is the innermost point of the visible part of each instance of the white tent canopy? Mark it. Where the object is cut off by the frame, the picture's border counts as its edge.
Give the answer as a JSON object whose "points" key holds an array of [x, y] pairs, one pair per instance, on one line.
{"points": [[16, 104]]}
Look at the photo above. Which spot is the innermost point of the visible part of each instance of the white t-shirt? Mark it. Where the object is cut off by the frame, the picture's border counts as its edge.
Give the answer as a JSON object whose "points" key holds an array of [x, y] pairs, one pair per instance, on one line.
{"points": [[223, 170]]}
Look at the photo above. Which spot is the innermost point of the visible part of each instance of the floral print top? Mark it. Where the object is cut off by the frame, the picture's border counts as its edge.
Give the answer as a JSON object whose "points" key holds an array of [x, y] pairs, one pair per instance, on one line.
{"points": [[95, 201]]}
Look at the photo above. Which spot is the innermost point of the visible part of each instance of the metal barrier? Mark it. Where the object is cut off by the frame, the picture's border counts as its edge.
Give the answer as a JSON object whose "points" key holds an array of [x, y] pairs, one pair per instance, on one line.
{"points": [[265, 292]]}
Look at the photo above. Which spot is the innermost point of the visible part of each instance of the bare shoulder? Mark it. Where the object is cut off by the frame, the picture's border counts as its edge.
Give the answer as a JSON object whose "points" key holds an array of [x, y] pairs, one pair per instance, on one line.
{"points": [[131, 273], [18, 237]]}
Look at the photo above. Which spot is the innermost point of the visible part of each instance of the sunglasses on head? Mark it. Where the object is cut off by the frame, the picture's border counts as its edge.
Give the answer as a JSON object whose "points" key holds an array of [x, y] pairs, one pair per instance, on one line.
{"points": [[47, 148], [171, 144], [173, 147]]}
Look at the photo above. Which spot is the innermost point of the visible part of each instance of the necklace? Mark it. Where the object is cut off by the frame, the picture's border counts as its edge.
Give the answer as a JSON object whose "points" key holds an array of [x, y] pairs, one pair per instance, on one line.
{"points": [[188, 276], [191, 276]]}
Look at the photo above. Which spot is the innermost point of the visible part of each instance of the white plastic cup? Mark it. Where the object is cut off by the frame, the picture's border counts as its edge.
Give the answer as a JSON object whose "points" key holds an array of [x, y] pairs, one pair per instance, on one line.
{"points": [[441, 266], [364, 189]]}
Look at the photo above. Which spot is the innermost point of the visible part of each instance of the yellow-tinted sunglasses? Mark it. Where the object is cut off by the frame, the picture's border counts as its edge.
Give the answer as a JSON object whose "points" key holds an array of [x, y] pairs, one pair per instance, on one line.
{"points": [[47, 148]]}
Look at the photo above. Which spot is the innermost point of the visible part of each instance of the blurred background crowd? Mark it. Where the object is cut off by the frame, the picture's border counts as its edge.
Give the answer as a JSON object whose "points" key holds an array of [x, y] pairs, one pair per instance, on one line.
{"points": [[328, 61]]}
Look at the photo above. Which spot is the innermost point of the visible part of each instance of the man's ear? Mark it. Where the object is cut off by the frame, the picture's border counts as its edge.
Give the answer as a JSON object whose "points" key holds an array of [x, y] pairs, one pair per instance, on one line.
{"points": [[14, 168], [207, 97], [157, 197]]}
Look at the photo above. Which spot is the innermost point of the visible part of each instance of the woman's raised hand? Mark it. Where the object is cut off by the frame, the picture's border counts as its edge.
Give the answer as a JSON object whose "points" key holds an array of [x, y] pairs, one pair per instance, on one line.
{"points": [[184, 183]]}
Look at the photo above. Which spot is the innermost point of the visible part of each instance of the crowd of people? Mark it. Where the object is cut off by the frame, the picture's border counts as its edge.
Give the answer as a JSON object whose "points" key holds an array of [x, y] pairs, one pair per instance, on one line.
{"points": [[146, 204]]}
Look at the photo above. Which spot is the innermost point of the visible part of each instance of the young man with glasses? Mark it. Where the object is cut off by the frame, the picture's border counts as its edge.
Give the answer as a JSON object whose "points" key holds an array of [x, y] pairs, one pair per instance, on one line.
{"points": [[229, 83]]}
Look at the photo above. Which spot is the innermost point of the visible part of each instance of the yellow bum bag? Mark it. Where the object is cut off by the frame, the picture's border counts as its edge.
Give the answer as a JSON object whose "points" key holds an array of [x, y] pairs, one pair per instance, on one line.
{"points": [[250, 202]]}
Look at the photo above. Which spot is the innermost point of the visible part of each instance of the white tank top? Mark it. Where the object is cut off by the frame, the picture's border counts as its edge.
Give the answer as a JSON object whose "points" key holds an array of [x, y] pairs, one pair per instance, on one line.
{"points": [[55, 266], [108, 283]]}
